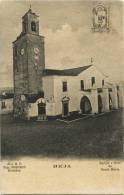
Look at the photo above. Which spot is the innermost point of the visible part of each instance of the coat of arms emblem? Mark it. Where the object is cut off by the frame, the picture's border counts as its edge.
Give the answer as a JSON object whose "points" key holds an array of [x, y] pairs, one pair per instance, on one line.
{"points": [[100, 18]]}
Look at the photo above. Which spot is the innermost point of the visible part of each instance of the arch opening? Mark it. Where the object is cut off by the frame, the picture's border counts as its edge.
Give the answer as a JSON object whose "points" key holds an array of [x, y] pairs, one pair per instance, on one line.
{"points": [[33, 26], [65, 106], [110, 102], [118, 99], [85, 105], [41, 109], [100, 104]]}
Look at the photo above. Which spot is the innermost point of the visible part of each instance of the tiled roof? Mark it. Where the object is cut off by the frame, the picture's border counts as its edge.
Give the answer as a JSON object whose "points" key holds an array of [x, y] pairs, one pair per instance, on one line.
{"points": [[29, 11], [7, 96], [65, 72], [6, 90], [32, 98]]}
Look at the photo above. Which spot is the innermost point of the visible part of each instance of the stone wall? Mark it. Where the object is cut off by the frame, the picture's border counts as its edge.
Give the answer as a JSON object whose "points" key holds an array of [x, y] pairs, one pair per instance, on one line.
{"points": [[20, 108]]}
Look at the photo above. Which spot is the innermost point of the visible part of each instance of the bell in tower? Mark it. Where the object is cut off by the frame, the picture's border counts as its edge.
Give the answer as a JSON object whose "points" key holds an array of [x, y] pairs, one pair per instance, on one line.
{"points": [[30, 23]]}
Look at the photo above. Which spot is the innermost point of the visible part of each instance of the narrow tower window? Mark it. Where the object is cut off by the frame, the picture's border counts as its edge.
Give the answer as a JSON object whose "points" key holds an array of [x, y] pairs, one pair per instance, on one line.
{"points": [[64, 87], [15, 51], [24, 27], [102, 82], [82, 85], [33, 26], [93, 81]]}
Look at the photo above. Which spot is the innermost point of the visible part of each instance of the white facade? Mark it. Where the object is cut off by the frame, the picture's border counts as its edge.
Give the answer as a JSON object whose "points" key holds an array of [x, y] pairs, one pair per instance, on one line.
{"points": [[52, 86], [83, 89], [100, 96], [32, 109], [6, 106], [112, 97], [54, 95]]}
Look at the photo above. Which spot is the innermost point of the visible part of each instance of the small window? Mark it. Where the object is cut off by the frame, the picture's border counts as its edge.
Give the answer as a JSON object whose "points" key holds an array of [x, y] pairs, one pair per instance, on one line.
{"points": [[24, 27], [15, 51], [103, 83], [3, 105], [93, 80], [117, 87], [33, 26], [82, 85], [64, 86]]}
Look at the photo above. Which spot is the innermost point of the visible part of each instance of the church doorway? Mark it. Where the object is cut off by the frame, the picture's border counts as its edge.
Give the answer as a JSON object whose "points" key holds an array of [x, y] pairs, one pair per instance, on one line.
{"points": [[110, 102], [85, 105], [100, 104], [65, 106], [41, 110]]}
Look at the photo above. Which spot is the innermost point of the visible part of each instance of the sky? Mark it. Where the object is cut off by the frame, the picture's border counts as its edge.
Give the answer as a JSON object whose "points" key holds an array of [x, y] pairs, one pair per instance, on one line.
{"points": [[69, 39]]}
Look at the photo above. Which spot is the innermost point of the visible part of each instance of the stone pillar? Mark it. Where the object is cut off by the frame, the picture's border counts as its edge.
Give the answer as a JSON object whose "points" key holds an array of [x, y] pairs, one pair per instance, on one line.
{"points": [[94, 100], [105, 99], [114, 97], [121, 95]]}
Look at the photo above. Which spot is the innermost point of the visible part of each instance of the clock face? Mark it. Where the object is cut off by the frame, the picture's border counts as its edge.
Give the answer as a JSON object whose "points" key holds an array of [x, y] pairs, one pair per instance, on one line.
{"points": [[22, 51], [36, 50]]}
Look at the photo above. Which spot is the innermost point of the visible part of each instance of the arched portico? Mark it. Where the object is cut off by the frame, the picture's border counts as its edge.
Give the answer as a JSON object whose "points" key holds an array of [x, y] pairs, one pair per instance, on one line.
{"points": [[100, 104], [85, 105], [118, 100], [110, 102]]}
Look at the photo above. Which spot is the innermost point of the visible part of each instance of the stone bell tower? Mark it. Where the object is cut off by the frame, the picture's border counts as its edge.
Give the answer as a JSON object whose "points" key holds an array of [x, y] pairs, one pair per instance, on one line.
{"points": [[28, 56], [28, 63]]}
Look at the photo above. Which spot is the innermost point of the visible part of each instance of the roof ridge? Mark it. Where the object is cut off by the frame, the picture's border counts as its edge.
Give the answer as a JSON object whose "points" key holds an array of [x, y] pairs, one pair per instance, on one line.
{"points": [[66, 72], [69, 68], [78, 67]]}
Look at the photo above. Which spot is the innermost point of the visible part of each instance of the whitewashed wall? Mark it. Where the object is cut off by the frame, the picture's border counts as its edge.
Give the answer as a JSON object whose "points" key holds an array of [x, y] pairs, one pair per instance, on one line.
{"points": [[71, 92], [33, 109], [8, 104], [91, 72], [48, 87], [52, 86]]}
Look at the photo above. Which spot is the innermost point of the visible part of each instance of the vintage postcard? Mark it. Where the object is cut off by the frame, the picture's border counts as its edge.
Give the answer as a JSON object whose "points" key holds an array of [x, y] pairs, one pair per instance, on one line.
{"points": [[61, 97]]}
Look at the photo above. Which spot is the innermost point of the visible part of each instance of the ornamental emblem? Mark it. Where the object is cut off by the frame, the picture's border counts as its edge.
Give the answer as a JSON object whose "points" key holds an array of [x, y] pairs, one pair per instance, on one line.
{"points": [[36, 50], [100, 19]]}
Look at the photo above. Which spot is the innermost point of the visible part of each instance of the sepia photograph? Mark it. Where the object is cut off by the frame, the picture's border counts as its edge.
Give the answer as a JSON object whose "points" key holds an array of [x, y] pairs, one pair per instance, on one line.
{"points": [[61, 83]]}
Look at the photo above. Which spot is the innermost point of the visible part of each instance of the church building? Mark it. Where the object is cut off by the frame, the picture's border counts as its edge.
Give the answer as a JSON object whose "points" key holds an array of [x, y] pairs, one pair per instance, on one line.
{"points": [[43, 93]]}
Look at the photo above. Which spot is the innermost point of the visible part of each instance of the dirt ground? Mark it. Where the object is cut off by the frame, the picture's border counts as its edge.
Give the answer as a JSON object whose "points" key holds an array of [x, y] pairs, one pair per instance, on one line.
{"points": [[95, 137]]}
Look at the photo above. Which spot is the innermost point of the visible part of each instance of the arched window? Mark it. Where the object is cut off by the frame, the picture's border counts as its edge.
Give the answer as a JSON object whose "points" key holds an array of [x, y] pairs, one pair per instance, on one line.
{"points": [[24, 27], [33, 26]]}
